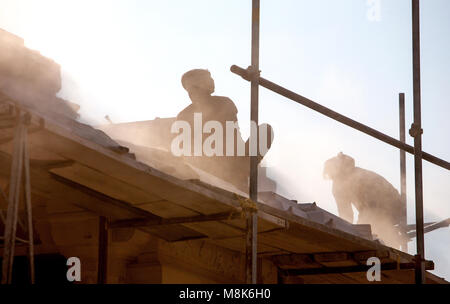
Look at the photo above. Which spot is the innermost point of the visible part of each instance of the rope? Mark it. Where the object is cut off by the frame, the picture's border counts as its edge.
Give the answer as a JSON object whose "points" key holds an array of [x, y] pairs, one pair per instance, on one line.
{"points": [[247, 205]]}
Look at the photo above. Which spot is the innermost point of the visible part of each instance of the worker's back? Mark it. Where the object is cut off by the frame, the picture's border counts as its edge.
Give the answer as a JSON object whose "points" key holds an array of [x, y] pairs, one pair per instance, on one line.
{"points": [[374, 196]]}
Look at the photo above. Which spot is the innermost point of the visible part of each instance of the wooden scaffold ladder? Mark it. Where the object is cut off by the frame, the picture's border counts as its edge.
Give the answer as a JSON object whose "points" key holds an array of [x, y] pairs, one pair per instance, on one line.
{"points": [[20, 174]]}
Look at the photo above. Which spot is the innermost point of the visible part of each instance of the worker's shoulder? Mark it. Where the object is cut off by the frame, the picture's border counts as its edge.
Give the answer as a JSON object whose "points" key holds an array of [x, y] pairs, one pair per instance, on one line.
{"points": [[358, 171], [224, 101], [372, 177], [188, 110]]}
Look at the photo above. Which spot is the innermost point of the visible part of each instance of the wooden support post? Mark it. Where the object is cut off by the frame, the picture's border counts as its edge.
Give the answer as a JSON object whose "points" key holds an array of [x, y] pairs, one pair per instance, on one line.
{"points": [[416, 132], [404, 219], [252, 218], [27, 189], [13, 205], [20, 165], [102, 250]]}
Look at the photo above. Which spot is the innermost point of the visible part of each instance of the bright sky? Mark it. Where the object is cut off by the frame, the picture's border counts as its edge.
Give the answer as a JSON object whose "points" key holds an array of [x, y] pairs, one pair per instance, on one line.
{"points": [[125, 59]]}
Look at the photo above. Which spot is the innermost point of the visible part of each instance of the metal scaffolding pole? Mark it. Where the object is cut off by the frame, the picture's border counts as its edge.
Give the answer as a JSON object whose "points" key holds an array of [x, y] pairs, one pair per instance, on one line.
{"points": [[251, 249], [416, 132], [338, 117], [28, 208], [20, 175], [404, 220]]}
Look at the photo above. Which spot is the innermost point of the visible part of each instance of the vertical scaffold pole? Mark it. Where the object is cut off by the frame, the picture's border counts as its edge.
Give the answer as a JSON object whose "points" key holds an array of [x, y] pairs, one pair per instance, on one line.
{"points": [[252, 219], [416, 132], [28, 208], [404, 219], [20, 176], [13, 205]]}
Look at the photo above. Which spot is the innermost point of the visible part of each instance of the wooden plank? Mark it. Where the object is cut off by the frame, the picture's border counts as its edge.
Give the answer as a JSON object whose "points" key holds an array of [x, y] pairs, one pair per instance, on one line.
{"points": [[215, 229], [277, 222], [105, 184], [335, 259], [140, 222], [328, 236], [396, 277], [174, 233], [170, 233], [363, 256], [129, 171], [100, 204], [266, 223], [111, 202], [69, 216], [346, 269], [167, 209], [57, 206], [66, 195], [238, 244], [312, 240], [295, 261], [287, 242]]}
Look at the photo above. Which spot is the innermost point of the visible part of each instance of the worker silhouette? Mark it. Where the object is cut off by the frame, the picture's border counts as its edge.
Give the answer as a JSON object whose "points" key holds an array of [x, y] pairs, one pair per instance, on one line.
{"points": [[377, 201], [200, 87]]}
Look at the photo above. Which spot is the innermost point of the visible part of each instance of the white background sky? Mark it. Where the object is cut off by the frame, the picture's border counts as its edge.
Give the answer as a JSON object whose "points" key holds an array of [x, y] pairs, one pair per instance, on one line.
{"points": [[125, 59]]}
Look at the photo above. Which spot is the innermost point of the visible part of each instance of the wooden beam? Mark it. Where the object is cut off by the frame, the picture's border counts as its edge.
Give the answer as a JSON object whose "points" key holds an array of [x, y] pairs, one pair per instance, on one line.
{"points": [[318, 259], [105, 198], [173, 221], [429, 265], [332, 257], [50, 164], [294, 261], [108, 206]]}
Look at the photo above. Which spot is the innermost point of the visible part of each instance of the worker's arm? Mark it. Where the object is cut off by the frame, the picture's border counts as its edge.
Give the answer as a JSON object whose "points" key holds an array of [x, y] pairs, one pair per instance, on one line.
{"points": [[342, 195], [344, 206]]}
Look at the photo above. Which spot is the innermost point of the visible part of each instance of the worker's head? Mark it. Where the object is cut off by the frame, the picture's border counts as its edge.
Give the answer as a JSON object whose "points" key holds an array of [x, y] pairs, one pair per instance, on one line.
{"points": [[338, 166], [198, 81]]}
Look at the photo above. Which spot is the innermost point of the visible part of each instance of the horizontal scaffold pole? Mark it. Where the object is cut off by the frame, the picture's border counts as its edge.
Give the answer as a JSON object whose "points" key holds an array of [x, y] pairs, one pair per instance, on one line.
{"points": [[338, 117]]}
